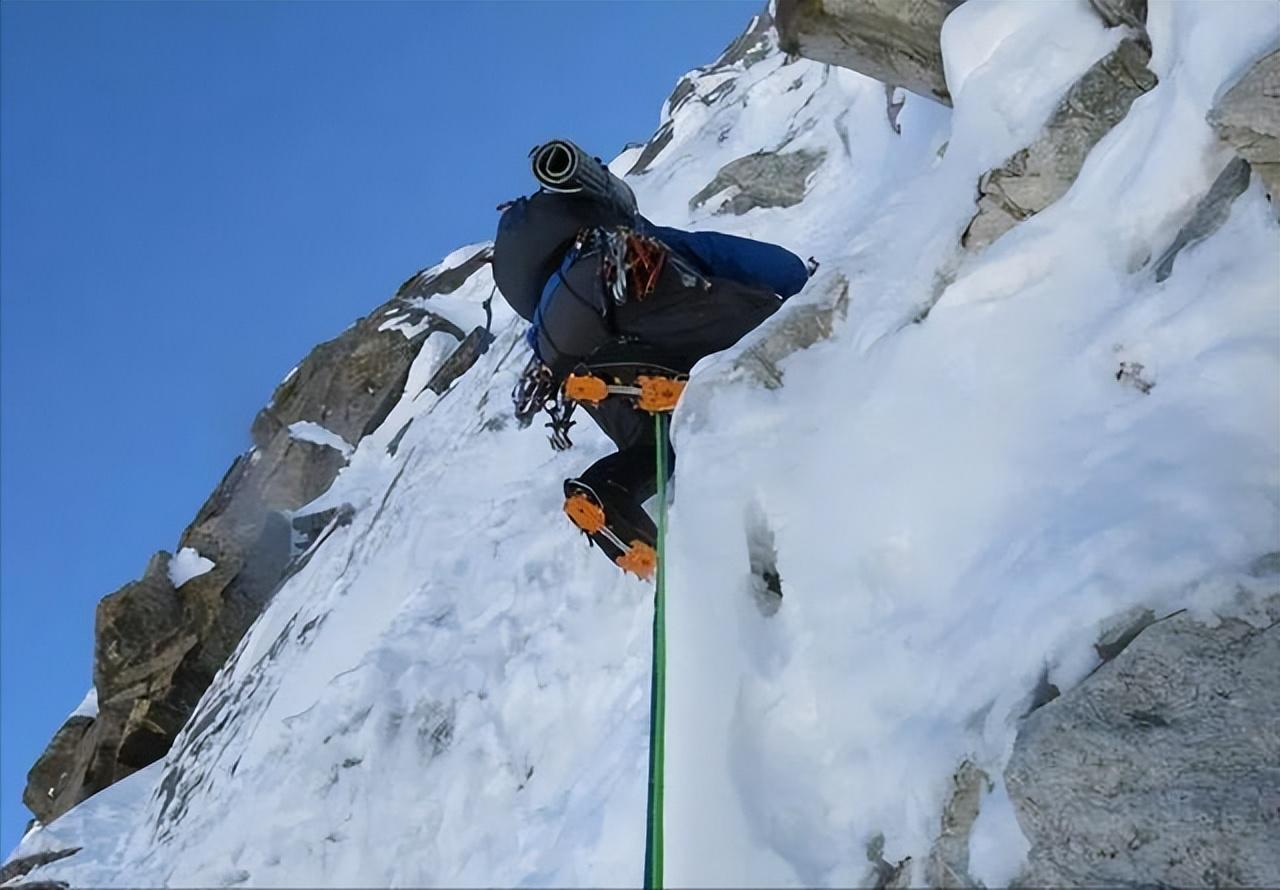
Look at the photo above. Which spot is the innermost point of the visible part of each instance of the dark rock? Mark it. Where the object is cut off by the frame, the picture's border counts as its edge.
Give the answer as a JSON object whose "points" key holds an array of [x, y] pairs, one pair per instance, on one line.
{"points": [[425, 283], [1248, 117], [16, 868], [654, 147], [1117, 13], [1209, 215], [461, 360], [1133, 374], [139, 631], [763, 179], [1044, 692], [892, 41], [394, 445], [308, 527], [1162, 768], [56, 771], [1041, 173], [751, 46]]}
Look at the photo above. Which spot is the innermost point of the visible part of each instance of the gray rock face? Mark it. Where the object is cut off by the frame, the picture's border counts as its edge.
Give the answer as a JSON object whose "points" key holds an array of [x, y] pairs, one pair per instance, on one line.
{"points": [[800, 327], [1129, 13], [157, 649], [948, 864], [1041, 173], [894, 41], [18, 867], [53, 773], [1248, 117], [1211, 212], [1160, 769], [763, 179]]}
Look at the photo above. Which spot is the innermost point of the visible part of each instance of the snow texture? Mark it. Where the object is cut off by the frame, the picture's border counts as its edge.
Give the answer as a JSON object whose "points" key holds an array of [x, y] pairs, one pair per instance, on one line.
{"points": [[88, 706], [957, 490], [309, 431], [185, 565]]}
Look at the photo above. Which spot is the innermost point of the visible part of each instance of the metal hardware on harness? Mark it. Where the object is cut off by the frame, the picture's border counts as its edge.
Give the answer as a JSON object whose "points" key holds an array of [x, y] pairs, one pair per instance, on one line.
{"points": [[532, 391], [560, 410]]}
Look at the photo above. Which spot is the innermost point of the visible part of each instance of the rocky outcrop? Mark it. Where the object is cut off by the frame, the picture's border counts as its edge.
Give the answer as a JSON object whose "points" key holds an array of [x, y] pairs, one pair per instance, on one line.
{"points": [[948, 864], [1210, 213], [1248, 117], [1163, 767], [16, 868], [157, 647], [762, 179], [796, 327], [750, 47], [1115, 13], [58, 769], [1036, 176], [895, 42]]}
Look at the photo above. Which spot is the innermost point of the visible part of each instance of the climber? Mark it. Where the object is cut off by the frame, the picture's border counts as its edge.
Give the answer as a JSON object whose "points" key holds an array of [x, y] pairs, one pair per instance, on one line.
{"points": [[621, 310]]}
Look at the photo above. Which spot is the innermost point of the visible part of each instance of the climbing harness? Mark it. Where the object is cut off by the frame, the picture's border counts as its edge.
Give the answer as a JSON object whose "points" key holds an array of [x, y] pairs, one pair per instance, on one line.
{"points": [[658, 682], [630, 264]]}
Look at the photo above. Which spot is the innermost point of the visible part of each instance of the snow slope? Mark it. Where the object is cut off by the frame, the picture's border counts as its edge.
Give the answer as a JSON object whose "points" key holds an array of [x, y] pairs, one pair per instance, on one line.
{"points": [[453, 690]]}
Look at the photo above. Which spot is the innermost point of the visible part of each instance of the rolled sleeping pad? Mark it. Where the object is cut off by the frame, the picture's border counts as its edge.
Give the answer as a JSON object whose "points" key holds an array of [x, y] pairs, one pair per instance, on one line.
{"points": [[561, 166]]}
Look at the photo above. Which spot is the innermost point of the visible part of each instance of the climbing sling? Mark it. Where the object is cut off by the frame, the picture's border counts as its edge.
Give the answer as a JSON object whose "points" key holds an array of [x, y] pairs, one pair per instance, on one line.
{"points": [[658, 684]]}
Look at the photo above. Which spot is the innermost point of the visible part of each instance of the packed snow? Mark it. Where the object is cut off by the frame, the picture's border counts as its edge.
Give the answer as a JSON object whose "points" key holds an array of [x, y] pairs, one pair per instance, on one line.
{"points": [[308, 431], [88, 706], [186, 564], [957, 491]]}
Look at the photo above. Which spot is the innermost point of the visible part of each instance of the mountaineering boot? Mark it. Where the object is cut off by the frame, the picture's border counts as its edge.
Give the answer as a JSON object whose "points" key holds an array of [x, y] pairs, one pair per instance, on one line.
{"points": [[611, 518]]}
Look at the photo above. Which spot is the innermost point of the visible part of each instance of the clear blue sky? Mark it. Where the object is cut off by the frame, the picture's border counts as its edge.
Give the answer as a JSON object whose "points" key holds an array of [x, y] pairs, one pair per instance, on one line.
{"points": [[193, 195]]}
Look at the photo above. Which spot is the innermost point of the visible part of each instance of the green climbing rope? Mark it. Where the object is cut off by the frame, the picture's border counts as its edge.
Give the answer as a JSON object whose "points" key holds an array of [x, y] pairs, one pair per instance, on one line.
{"points": [[658, 687]]}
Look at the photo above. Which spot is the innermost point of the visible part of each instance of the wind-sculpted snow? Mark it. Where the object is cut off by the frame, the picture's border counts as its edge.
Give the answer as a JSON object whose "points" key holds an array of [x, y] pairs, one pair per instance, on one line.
{"points": [[957, 487]]}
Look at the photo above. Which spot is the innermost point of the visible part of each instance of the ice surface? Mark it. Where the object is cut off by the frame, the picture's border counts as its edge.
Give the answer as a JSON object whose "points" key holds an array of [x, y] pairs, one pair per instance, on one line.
{"points": [[956, 487]]}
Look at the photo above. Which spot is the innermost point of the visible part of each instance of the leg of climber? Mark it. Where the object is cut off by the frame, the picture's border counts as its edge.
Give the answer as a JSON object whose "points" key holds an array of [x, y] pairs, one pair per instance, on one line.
{"points": [[605, 500]]}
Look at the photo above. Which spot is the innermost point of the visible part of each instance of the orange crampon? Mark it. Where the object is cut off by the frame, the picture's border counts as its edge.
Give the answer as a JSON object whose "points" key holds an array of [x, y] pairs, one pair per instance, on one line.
{"points": [[658, 394], [585, 513], [640, 559]]}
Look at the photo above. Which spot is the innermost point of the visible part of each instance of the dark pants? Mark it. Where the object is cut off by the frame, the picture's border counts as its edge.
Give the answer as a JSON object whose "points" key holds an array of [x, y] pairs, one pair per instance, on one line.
{"points": [[633, 467]]}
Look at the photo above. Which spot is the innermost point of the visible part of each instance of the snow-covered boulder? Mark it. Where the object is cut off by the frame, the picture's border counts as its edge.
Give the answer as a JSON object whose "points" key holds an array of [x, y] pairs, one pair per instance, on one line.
{"points": [[1248, 117], [1036, 176], [889, 40]]}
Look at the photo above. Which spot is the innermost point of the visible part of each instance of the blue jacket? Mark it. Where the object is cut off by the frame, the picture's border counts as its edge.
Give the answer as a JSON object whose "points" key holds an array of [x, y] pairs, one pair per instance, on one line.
{"points": [[754, 263]]}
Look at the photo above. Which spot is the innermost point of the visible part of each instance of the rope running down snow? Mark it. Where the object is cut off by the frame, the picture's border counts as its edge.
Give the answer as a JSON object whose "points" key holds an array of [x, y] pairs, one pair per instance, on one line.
{"points": [[658, 689]]}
